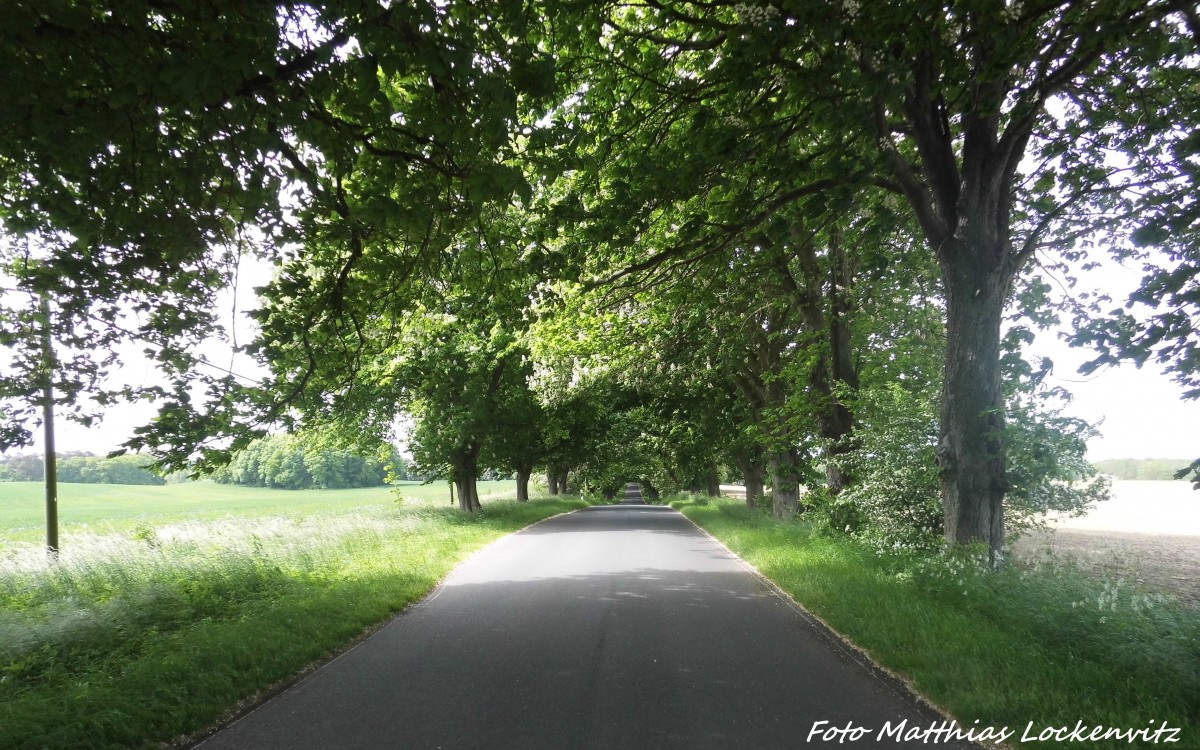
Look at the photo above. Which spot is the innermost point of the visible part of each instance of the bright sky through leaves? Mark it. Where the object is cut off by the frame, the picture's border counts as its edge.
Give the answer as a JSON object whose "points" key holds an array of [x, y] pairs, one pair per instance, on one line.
{"points": [[1140, 412]]}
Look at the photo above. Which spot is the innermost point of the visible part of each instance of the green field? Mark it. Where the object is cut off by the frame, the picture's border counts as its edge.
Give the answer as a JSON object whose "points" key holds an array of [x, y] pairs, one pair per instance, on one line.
{"points": [[97, 508]]}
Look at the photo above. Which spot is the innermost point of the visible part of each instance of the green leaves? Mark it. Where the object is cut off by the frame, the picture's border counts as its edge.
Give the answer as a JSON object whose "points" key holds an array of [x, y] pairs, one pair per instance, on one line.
{"points": [[534, 75], [1149, 235], [498, 183], [712, 205]]}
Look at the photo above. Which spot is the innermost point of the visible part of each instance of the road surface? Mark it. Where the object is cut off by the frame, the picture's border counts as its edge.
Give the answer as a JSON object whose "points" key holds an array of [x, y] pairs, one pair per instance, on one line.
{"points": [[619, 626]]}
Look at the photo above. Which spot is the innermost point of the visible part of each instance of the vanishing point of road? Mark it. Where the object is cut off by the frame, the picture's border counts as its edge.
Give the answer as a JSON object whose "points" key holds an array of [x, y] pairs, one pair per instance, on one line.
{"points": [[620, 626]]}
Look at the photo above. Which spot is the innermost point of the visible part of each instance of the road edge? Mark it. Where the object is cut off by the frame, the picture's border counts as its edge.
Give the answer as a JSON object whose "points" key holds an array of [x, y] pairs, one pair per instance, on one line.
{"points": [[252, 703], [894, 682]]}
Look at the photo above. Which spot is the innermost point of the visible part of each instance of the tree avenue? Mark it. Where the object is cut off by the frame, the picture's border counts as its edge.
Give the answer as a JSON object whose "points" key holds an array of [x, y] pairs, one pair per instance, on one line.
{"points": [[943, 112], [795, 242]]}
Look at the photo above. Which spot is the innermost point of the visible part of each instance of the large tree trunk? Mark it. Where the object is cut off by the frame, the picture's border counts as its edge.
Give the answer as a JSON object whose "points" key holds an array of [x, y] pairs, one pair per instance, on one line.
{"points": [[785, 482], [971, 447], [466, 479], [836, 424], [468, 494], [823, 301], [712, 481], [961, 189], [840, 432], [523, 484], [753, 473], [552, 482]]}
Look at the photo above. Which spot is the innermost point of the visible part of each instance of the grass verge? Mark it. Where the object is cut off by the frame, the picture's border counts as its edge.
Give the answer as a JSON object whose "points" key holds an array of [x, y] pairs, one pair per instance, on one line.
{"points": [[135, 639], [1029, 649]]}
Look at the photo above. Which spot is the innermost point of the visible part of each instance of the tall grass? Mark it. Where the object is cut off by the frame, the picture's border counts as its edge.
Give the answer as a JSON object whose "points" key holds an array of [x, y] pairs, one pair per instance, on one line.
{"points": [[1046, 644], [134, 638]]}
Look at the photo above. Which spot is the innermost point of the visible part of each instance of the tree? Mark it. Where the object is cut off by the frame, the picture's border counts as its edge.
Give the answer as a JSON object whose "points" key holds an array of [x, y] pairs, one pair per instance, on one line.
{"points": [[140, 140], [735, 184], [767, 315], [577, 420], [694, 159], [941, 105], [127, 152], [310, 460], [1156, 130], [959, 100], [518, 444], [82, 468], [455, 392], [22, 468]]}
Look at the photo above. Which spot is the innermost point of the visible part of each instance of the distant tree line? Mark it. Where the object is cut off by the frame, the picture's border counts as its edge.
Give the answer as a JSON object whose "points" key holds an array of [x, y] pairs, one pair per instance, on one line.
{"points": [[81, 468], [1142, 468], [292, 463]]}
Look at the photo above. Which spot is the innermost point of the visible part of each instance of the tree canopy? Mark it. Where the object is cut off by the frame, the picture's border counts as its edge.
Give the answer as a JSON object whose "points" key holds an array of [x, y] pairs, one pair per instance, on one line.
{"points": [[614, 240], [81, 469], [300, 462]]}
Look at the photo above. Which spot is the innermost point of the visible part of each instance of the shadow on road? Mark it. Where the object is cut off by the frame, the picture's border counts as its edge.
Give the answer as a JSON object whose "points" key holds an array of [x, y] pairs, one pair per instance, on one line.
{"points": [[618, 626], [631, 518], [633, 495]]}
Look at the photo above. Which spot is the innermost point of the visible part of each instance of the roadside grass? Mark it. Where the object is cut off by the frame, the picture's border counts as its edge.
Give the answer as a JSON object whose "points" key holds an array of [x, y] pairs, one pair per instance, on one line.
{"points": [[1048, 644], [138, 638]]}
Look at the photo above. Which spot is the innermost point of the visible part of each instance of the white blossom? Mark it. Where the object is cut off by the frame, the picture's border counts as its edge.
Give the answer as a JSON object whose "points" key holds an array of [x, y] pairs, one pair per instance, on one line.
{"points": [[756, 15]]}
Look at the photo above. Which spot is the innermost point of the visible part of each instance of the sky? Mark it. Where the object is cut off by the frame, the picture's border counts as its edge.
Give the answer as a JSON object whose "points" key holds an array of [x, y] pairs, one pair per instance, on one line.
{"points": [[119, 421], [1140, 412]]}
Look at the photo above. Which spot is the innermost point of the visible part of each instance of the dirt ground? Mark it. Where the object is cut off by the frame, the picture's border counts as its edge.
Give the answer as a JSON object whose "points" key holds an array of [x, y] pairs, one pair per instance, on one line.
{"points": [[1148, 532], [1161, 562]]}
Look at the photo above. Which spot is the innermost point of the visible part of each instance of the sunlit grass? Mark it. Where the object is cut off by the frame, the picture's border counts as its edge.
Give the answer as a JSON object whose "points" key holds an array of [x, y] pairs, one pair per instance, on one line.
{"points": [[1048, 645], [111, 507], [137, 636]]}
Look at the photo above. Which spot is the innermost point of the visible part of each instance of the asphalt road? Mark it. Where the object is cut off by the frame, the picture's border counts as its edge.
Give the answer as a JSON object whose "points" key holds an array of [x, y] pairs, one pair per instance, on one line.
{"points": [[618, 626]]}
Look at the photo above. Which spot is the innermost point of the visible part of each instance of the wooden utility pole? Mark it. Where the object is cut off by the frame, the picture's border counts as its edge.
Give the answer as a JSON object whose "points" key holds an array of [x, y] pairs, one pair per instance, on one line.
{"points": [[51, 459]]}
